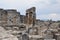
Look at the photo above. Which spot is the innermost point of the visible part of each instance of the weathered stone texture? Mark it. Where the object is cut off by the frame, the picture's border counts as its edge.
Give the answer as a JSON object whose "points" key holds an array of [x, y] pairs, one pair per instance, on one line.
{"points": [[13, 17], [4, 35], [18, 25], [31, 16], [3, 17]]}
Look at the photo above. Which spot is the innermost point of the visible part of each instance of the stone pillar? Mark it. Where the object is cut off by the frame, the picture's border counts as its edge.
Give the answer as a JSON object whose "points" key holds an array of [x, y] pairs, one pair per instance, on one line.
{"points": [[25, 37], [57, 36], [31, 16]]}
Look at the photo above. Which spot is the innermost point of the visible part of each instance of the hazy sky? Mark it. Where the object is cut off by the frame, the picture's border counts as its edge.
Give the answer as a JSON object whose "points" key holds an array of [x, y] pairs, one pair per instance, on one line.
{"points": [[45, 9]]}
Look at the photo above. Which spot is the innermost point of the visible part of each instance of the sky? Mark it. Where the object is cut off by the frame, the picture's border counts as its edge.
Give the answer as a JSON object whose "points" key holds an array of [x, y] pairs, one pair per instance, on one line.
{"points": [[45, 9]]}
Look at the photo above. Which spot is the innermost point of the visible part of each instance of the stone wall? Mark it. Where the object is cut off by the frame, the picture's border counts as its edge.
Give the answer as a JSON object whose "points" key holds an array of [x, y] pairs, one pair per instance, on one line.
{"points": [[3, 17], [18, 25], [13, 17]]}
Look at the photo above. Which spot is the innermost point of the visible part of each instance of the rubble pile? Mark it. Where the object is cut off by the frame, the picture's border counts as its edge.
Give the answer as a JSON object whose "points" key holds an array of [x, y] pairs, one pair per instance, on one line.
{"points": [[14, 26]]}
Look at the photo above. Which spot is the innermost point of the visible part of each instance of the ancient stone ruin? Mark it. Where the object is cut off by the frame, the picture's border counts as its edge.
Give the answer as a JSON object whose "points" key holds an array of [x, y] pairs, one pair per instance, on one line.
{"points": [[14, 26]]}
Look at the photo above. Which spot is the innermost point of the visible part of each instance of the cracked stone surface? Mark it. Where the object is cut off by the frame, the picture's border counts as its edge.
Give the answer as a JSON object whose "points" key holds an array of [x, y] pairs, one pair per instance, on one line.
{"points": [[4, 35]]}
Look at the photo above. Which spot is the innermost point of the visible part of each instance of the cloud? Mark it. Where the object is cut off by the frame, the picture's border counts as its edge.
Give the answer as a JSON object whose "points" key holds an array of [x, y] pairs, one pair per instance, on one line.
{"points": [[26, 3], [44, 7], [53, 16], [53, 2]]}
